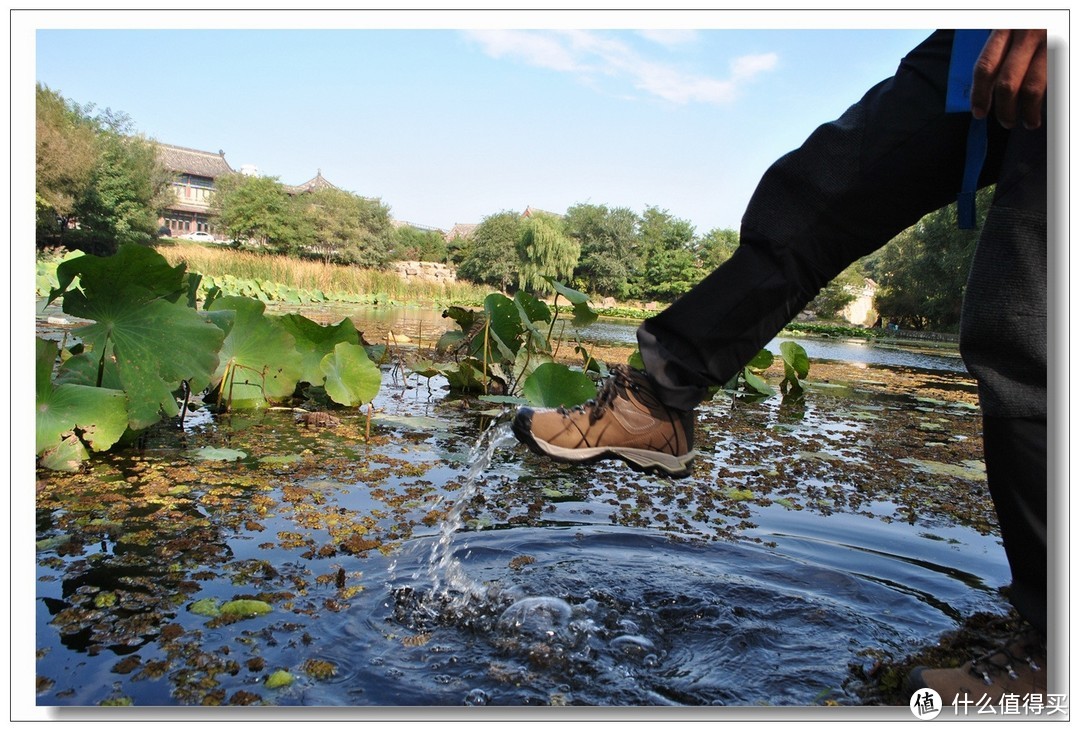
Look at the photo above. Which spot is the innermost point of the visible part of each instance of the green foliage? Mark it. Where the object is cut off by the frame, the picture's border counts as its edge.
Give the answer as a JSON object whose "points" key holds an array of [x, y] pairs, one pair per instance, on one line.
{"points": [[486, 255], [838, 293], [91, 166], [66, 154], [250, 207], [667, 267], [545, 252], [922, 273], [72, 417], [347, 228], [140, 324], [796, 368], [351, 378], [509, 344], [257, 361], [554, 384], [716, 247], [413, 244], [147, 345], [608, 239]]}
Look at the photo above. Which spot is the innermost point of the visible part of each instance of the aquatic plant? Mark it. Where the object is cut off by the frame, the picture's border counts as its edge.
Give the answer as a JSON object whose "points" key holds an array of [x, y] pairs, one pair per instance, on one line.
{"points": [[147, 348]]}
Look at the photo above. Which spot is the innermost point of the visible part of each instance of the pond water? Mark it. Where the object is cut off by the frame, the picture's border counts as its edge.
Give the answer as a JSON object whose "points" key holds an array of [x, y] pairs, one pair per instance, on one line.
{"points": [[428, 324], [428, 559]]}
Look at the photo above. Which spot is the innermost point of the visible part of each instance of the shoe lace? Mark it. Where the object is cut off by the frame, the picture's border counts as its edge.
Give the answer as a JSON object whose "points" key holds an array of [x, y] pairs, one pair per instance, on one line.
{"points": [[1017, 651], [621, 378]]}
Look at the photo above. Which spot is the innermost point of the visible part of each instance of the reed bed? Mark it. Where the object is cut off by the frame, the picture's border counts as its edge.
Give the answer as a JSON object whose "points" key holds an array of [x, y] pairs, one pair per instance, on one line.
{"points": [[316, 275]]}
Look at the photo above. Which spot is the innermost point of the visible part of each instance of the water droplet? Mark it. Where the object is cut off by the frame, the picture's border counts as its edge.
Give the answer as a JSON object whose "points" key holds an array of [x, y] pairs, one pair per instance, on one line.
{"points": [[632, 644], [538, 616], [477, 697]]}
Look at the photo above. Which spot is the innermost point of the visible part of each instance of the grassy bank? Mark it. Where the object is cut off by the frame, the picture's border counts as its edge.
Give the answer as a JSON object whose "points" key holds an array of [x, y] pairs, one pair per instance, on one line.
{"points": [[315, 275]]}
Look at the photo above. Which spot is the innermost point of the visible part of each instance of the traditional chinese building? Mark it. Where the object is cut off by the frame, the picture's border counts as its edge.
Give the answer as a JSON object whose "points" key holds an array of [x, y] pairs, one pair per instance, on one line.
{"points": [[193, 184]]}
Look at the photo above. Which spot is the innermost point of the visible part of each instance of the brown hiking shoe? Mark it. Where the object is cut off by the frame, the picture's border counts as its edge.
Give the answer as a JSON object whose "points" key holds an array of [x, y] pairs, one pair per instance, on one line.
{"points": [[1017, 669], [625, 421]]}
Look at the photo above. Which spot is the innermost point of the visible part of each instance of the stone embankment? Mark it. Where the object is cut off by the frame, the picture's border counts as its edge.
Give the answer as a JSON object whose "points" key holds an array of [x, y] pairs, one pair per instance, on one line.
{"points": [[426, 271]]}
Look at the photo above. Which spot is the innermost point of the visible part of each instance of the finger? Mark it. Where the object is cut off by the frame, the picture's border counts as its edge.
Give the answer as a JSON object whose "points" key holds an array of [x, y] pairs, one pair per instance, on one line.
{"points": [[1033, 91], [1013, 73], [986, 70]]}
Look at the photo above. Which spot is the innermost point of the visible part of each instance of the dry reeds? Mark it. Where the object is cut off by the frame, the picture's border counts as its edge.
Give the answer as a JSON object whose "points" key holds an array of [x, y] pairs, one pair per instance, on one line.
{"points": [[315, 275]]}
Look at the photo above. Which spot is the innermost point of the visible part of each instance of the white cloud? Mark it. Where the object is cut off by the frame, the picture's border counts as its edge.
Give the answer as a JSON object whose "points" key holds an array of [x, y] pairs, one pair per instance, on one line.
{"points": [[747, 67], [591, 54], [534, 48], [672, 37]]}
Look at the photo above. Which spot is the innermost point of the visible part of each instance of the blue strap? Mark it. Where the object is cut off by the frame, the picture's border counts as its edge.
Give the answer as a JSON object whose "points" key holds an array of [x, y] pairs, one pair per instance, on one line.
{"points": [[967, 45]]}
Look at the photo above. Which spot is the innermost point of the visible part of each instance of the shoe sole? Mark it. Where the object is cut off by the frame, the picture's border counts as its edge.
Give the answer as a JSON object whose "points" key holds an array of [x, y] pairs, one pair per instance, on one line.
{"points": [[644, 460]]}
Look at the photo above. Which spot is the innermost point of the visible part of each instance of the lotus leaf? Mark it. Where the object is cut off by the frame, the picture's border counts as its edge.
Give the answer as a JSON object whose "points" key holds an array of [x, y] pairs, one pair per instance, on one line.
{"points": [[99, 414], [132, 274], [757, 383], [315, 341], [246, 607], [583, 314], [794, 355], [258, 360], [554, 384], [351, 378], [156, 341], [279, 679], [504, 332]]}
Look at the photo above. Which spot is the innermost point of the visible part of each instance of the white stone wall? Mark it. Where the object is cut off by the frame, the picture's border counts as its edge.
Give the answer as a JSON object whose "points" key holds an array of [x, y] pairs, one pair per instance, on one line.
{"points": [[427, 271]]}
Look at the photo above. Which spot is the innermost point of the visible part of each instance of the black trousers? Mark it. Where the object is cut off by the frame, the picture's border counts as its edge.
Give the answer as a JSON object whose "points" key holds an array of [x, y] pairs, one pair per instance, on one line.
{"points": [[855, 183]]}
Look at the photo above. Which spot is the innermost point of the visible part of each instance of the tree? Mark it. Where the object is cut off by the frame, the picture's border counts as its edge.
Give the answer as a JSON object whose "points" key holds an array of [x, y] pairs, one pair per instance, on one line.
{"points": [[544, 250], [923, 271], [838, 294], [608, 238], [489, 255], [66, 155], [667, 266], [259, 208], [347, 228], [92, 167], [414, 244], [716, 247], [129, 188]]}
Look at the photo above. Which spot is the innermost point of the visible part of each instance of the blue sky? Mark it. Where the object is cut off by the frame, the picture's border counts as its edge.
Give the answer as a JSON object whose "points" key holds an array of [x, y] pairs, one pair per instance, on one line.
{"points": [[448, 126]]}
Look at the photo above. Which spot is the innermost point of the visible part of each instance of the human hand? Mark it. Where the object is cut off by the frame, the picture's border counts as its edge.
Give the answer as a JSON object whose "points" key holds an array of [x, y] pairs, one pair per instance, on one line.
{"points": [[1011, 75]]}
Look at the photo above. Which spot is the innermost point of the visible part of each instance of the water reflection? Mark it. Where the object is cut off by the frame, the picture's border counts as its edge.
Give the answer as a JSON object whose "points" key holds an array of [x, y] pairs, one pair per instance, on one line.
{"points": [[426, 325]]}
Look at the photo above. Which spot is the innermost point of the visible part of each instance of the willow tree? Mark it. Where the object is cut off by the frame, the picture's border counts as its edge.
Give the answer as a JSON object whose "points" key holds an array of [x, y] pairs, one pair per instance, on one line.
{"points": [[545, 250]]}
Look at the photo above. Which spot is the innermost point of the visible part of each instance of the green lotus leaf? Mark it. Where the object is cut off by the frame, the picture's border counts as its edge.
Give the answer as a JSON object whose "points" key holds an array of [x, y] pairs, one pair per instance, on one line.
{"points": [[554, 384], [761, 361], [531, 311], [157, 344], [583, 314], [795, 359], [99, 415], [315, 341], [258, 359], [351, 378], [133, 273], [504, 333], [134, 300], [757, 383]]}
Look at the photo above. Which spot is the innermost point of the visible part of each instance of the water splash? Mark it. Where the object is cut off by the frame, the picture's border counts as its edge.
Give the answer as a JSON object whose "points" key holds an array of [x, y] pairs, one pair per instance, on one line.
{"points": [[451, 588]]}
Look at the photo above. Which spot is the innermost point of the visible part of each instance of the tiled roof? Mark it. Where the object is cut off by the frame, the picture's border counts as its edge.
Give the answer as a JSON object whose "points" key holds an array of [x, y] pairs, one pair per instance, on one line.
{"points": [[461, 231], [316, 183], [193, 162]]}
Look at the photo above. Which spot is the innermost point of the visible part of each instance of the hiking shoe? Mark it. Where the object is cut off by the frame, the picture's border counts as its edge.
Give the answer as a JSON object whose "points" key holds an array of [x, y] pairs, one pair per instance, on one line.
{"points": [[1018, 668], [625, 421]]}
